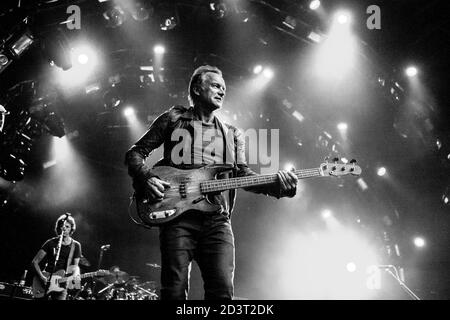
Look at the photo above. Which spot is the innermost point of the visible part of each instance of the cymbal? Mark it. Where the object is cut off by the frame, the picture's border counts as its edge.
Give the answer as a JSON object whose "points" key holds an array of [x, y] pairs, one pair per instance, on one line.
{"points": [[84, 262], [133, 280], [153, 265], [116, 276]]}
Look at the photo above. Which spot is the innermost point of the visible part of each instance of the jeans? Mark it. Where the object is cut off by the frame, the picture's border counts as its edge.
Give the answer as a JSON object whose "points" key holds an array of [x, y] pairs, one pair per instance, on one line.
{"points": [[206, 238]]}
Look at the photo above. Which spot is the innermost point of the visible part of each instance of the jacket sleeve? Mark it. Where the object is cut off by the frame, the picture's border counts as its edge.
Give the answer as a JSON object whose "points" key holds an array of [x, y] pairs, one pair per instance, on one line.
{"points": [[151, 140], [243, 170]]}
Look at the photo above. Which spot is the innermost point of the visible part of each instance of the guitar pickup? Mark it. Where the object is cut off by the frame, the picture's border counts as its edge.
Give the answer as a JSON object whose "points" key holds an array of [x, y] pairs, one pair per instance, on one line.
{"points": [[182, 189], [162, 214]]}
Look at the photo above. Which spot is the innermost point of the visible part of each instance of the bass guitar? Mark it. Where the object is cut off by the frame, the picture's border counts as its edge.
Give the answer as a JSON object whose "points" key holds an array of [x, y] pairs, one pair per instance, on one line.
{"points": [[191, 188]]}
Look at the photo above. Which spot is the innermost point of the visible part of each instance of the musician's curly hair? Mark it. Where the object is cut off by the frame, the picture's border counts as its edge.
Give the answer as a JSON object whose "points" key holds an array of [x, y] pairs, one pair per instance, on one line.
{"points": [[197, 78], [60, 222]]}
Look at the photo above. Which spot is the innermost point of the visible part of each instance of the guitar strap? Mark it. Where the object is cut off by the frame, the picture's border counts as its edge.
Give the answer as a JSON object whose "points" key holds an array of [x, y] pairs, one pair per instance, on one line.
{"points": [[69, 260]]}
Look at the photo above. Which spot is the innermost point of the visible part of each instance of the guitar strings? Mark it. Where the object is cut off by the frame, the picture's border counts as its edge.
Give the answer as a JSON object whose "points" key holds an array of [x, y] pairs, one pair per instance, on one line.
{"points": [[215, 185]]}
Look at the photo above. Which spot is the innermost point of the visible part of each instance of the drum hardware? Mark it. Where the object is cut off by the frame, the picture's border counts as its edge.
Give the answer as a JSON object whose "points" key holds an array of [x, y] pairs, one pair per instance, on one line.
{"points": [[121, 286]]}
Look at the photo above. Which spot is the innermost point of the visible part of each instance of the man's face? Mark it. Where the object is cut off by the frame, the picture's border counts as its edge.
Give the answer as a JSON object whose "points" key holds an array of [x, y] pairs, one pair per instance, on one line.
{"points": [[67, 227], [212, 90]]}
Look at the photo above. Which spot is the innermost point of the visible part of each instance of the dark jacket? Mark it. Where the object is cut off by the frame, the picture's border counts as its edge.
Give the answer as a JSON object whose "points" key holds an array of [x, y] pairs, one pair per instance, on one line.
{"points": [[160, 132]]}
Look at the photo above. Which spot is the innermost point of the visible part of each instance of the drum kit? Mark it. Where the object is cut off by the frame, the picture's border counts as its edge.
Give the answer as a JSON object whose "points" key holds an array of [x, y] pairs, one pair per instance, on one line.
{"points": [[117, 285]]}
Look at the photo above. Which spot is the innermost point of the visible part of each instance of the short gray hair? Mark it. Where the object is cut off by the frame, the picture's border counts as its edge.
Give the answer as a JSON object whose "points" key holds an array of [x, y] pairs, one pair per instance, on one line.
{"points": [[197, 79]]}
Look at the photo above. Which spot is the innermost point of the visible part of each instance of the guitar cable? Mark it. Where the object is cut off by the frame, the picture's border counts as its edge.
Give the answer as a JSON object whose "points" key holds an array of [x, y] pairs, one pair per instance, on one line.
{"points": [[132, 198]]}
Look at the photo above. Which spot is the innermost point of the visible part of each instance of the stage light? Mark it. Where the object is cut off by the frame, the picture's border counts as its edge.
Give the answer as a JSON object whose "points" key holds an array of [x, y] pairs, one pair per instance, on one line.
{"points": [[342, 126], [19, 43], [129, 112], [268, 73], [297, 115], [159, 49], [115, 17], [337, 53], [257, 69], [14, 47], [85, 55], [419, 242], [61, 148], [342, 17], [362, 184], [411, 71], [85, 62], [314, 5], [315, 37], [54, 125], [4, 60], [15, 42], [141, 11], [169, 23], [381, 171], [446, 196], [83, 58], [57, 49], [111, 99], [351, 267], [326, 213], [290, 22], [218, 8]]}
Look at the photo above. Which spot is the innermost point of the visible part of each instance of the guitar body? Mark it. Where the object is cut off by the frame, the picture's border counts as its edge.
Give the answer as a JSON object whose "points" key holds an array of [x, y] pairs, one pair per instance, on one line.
{"points": [[184, 194], [39, 286]]}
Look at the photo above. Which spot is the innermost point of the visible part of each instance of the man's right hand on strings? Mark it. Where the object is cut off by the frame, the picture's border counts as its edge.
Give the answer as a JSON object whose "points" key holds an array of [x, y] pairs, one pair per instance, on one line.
{"points": [[155, 188]]}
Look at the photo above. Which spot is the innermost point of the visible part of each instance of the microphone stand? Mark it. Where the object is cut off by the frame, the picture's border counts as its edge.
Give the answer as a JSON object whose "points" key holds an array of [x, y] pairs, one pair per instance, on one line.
{"points": [[98, 268], [401, 283], [58, 251]]}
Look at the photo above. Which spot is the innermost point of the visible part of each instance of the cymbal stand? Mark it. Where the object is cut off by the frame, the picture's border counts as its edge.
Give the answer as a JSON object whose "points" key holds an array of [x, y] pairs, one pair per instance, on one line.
{"points": [[105, 288], [146, 291], [100, 258]]}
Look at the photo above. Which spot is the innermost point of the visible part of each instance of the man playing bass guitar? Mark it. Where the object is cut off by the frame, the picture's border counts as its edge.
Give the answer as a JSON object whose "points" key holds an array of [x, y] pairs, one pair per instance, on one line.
{"points": [[206, 237]]}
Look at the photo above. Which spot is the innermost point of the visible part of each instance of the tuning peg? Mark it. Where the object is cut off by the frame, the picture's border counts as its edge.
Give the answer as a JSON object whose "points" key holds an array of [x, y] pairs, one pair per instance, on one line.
{"points": [[326, 159], [353, 161], [336, 160]]}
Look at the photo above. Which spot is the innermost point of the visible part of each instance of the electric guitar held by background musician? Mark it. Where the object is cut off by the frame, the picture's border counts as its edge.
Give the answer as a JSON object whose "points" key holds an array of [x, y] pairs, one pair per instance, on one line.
{"points": [[59, 282], [190, 189]]}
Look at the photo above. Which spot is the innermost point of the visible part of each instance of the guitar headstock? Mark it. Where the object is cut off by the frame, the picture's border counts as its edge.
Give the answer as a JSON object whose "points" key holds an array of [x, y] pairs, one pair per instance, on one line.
{"points": [[338, 169]]}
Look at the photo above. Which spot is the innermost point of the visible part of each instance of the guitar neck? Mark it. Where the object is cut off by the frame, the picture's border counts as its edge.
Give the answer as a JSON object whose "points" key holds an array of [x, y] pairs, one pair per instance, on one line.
{"points": [[82, 276], [250, 181]]}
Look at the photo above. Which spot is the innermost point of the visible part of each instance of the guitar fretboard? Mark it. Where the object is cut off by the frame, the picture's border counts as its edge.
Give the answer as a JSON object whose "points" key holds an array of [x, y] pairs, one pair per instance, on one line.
{"points": [[82, 276], [249, 181]]}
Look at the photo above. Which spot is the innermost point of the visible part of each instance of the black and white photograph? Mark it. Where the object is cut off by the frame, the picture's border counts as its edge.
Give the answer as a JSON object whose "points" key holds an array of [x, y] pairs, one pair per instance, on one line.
{"points": [[242, 152]]}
